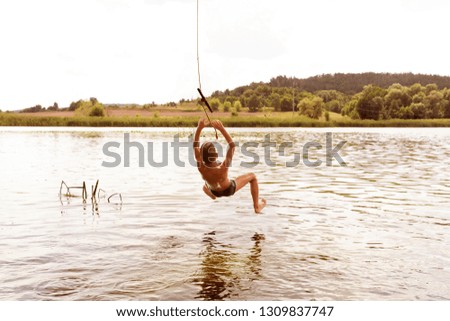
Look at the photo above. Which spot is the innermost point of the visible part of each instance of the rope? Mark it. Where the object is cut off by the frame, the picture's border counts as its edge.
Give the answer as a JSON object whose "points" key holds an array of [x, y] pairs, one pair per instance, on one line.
{"points": [[198, 56], [199, 79]]}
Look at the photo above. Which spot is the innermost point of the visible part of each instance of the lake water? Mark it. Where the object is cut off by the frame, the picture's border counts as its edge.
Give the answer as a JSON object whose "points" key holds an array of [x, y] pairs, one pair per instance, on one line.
{"points": [[376, 229]]}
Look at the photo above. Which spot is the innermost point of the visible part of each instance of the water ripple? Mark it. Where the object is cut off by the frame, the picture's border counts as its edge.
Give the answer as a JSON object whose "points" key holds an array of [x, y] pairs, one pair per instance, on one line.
{"points": [[373, 230]]}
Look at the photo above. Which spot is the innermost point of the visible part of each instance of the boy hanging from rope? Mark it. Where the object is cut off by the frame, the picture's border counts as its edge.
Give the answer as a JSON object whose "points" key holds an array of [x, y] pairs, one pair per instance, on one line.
{"points": [[215, 173]]}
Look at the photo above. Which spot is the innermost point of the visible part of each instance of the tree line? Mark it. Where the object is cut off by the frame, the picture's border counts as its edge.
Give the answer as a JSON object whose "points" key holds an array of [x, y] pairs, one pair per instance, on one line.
{"points": [[396, 101], [399, 102], [91, 107], [38, 108], [359, 96], [350, 83]]}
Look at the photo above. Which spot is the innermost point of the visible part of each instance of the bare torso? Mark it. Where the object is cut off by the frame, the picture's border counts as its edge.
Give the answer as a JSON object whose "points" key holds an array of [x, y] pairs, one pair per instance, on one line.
{"points": [[215, 175]]}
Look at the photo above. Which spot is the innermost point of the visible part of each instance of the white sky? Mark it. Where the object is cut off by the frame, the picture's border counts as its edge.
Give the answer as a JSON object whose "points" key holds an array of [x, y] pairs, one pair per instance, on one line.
{"points": [[139, 51]]}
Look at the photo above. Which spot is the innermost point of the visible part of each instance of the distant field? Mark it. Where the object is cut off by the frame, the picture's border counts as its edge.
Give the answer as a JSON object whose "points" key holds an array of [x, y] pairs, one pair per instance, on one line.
{"points": [[142, 113], [144, 118], [179, 118]]}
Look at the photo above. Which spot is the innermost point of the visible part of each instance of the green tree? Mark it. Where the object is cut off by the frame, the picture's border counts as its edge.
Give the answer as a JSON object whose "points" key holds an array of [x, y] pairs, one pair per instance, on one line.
{"points": [[370, 102], [275, 101], [87, 109], [97, 111], [34, 109], [329, 95], [237, 106], [215, 104], [253, 103], [334, 106], [419, 110], [350, 108], [75, 105], [406, 113], [93, 100], [391, 110], [446, 103], [311, 107], [397, 97], [54, 107], [419, 97], [415, 89], [430, 87], [354, 114], [286, 103], [434, 104], [230, 99], [226, 106], [248, 93], [263, 90]]}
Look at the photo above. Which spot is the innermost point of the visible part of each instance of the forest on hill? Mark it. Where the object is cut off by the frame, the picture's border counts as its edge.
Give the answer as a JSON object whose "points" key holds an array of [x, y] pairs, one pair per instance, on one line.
{"points": [[360, 96], [349, 84]]}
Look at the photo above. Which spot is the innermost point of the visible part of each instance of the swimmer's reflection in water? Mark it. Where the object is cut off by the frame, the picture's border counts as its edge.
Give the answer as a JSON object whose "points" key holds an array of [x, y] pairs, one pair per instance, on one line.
{"points": [[225, 272]]}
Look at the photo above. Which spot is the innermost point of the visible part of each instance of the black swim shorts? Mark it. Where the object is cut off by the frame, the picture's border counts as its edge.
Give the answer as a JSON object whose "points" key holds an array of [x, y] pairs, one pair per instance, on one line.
{"points": [[227, 192]]}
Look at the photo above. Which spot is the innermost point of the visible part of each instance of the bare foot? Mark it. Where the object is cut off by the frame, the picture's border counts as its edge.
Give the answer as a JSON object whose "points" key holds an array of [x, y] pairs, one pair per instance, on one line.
{"points": [[260, 206], [208, 192]]}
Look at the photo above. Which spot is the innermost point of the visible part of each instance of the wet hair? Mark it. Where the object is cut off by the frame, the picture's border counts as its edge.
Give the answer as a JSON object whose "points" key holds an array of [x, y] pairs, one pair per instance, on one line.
{"points": [[209, 152]]}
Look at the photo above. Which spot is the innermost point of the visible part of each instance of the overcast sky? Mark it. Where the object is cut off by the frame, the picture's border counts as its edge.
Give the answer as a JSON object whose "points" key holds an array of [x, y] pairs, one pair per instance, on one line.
{"points": [[139, 51]]}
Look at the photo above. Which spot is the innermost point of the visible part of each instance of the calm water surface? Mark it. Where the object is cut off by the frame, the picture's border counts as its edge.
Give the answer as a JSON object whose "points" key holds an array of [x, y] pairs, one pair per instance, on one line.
{"points": [[377, 229]]}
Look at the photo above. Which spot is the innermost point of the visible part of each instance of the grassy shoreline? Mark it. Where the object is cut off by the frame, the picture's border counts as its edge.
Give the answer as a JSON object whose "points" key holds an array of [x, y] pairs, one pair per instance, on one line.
{"points": [[8, 119]]}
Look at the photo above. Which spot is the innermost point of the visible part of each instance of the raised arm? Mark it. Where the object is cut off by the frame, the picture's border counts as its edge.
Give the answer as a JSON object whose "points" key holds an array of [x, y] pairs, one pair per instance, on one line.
{"points": [[200, 126], [217, 124]]}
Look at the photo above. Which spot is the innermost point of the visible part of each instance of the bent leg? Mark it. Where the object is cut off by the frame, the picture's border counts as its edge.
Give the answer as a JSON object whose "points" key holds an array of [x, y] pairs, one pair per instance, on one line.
{"points": [[208, 192], [242, 180]]}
